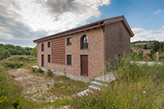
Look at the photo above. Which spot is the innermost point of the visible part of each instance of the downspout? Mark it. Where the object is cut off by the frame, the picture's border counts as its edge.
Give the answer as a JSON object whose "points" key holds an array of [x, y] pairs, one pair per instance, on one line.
{"points": [[104, 48], [101, 27]]}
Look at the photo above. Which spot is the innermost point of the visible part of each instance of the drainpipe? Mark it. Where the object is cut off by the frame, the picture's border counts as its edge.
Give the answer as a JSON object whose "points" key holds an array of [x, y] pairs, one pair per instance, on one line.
{"points": [[101, 27], [104, 46]]}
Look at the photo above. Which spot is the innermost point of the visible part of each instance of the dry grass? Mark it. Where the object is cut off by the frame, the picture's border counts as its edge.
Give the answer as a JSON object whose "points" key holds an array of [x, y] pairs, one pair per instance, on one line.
{"points": [[34, 90]]}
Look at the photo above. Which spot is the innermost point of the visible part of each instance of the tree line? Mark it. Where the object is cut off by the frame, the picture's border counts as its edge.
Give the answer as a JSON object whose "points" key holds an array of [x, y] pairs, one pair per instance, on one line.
{"points": [[16, 50], [155, 46]]}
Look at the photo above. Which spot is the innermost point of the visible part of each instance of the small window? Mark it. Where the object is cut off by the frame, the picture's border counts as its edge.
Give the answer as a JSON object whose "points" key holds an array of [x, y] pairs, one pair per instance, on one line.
{"points": [[49, 44], [69, 41], [42, 47], [120, 55], [69, 59], [84, 42], [49, 58]]}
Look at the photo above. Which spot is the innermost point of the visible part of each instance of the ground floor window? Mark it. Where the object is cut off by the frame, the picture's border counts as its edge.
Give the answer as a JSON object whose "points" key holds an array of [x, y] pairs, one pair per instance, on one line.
{"points": [[69, 59], [49, 58]]}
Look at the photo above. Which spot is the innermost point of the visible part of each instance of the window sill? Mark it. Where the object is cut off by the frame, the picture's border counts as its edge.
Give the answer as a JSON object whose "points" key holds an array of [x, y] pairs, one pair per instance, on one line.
{"points": [[84, 49], [69, 45], [69, 65]]}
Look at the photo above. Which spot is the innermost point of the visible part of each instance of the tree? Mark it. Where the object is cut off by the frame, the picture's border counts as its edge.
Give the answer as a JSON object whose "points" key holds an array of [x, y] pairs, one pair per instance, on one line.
{"points": [[34, 51], [1, 53], [145, 46], [6, 53]]}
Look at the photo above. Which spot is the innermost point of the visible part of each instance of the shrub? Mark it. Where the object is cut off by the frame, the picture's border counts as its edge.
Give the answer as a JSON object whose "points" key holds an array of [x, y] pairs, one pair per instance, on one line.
{"points": [[40, 70], [33, 69], [12, 64], [49, 73], [16, 103], [4, 101]]}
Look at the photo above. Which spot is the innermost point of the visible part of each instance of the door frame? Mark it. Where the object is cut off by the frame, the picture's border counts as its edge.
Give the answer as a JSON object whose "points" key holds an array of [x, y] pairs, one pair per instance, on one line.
{"points": [[42, 60], [81, 63]]}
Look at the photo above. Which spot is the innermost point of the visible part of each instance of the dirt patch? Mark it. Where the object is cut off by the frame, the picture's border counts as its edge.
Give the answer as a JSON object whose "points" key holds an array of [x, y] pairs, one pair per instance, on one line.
{"points": [[35, 86]]}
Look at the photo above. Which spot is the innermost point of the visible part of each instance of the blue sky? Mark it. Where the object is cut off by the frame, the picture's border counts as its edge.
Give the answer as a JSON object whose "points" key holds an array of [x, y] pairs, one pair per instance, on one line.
{"points": [[22, 21], [139, 13]]}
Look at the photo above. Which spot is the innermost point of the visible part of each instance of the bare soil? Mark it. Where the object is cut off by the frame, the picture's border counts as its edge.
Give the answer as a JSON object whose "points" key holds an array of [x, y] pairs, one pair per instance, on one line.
{"points": [[35, 86]]}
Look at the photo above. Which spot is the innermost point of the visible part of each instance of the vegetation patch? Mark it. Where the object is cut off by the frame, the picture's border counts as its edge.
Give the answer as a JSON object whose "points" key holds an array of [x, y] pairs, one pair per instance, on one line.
{"points": [[12, 64], [61, 102], [136, 87], [49, 73], [64, 86], [10, 94]]}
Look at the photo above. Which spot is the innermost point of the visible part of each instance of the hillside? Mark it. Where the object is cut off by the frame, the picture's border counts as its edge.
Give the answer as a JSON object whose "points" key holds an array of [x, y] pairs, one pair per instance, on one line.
{"points": [[143, 44], [10, 49]]}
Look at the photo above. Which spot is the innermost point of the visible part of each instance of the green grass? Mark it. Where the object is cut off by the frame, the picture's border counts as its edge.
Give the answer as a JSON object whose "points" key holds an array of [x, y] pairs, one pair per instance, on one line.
{"points": [[71, 87], [136, 87], [11, 94]]}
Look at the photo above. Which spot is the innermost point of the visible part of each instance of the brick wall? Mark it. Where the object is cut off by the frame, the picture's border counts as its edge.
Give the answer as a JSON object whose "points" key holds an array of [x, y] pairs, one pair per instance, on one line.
{"points": [[117, 40], [95, 54]]}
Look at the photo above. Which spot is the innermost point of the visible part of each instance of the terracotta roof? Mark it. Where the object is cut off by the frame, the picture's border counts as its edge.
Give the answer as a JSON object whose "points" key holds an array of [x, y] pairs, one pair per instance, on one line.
{"points": [[86, 27]]}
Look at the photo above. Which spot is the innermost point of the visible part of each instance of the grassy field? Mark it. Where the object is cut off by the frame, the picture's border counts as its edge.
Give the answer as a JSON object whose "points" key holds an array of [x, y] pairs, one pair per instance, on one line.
{"points": [[11, 93], [136, 87]]}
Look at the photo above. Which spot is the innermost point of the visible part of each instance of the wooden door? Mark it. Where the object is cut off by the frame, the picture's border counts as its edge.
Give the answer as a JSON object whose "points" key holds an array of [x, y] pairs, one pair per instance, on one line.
{"points": [[84, 65], [42, 60]]}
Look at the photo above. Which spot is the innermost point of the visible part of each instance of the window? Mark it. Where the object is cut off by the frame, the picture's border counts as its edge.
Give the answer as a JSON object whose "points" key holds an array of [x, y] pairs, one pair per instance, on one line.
{"points": [[49, 44], [69, 59], [84, 42], [42, 47], [49, 58], [69, 41]]}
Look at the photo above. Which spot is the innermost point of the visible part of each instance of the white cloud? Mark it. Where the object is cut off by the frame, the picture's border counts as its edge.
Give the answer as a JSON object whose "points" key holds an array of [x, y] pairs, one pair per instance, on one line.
{"points": [[55, 16], [24, 20], [158, 11], [142, 34]]}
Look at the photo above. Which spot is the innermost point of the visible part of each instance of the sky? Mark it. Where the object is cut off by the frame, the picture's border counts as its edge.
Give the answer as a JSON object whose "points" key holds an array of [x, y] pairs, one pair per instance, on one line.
{"points": [[22, 21]]}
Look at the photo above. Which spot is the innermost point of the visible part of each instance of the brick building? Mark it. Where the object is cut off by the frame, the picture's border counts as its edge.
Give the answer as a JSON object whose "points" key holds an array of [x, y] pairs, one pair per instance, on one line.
{"points": [[83, 51]]}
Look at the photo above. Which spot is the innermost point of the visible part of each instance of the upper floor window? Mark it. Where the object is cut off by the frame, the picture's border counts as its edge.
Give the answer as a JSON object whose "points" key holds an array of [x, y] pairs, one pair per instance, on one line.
{"points": [[42, 47], [69, 41], [84, 42], [49, 44]]}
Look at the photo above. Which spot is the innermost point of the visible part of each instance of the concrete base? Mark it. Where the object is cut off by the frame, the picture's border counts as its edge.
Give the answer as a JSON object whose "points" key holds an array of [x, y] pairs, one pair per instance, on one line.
{"points": [[58, 73]]}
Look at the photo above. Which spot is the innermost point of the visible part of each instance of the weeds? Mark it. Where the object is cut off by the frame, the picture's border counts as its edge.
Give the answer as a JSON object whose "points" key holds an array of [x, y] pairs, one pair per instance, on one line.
{"points": [[40, 70], [49, 73], [61, 102], [9, 94], [64, 86], [12, 64], [136, 87]]}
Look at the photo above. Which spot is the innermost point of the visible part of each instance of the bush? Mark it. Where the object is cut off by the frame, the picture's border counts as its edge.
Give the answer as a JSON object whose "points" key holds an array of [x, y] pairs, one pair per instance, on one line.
{"points": [[12, 64], [49, 73], [40, 70], [33, 69], [4, 101], [16, 103]]}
